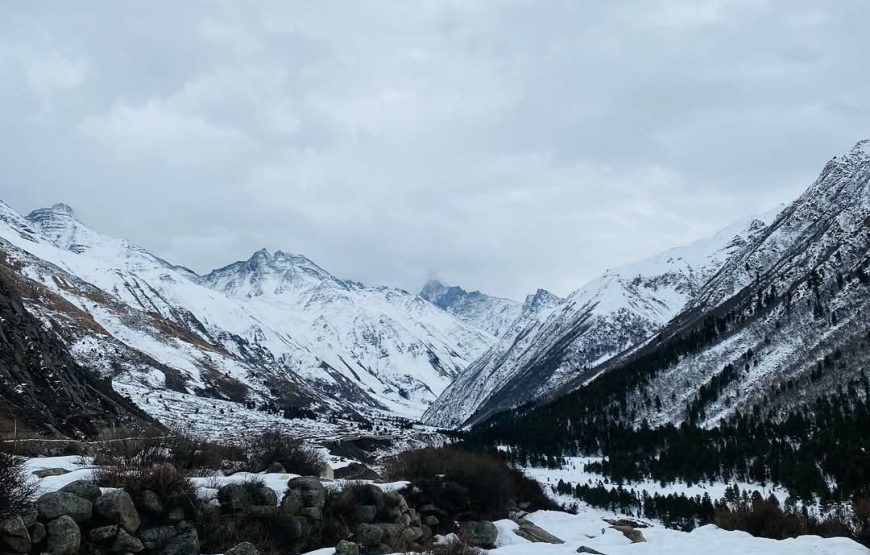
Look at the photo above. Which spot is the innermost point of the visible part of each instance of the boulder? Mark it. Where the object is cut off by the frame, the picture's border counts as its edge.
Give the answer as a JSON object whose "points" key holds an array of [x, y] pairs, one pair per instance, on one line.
{"points": [[276, 468], [633, 534], [366, 513], [37, 533], [155, 538], [58, 503], [396, 500], [185, 543], [46, 472], [310, 489], [243, 548], [14, 536], [412, 535], [292, 502], [589, 550], [312, 513], [431, 521], [125, 543], [535, 534], [117, 507], [479, 533], [176, 515], [64, 536], [103, 533], [84, 489], [266, 496], [234, 498], [373, 495], [263, 511], [345, 547], [29, 517], [150, 501], [390, 531], [369, 535], [327, 473], [356, 471]]}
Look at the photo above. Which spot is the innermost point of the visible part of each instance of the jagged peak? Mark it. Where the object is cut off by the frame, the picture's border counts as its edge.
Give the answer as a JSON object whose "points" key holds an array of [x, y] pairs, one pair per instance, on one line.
{"points": [[60, 209]]}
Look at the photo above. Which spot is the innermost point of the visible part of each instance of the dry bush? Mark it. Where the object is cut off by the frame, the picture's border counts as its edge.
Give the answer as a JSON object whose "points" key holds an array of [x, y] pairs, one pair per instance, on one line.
{"points": [[172, 485], [275, 534], [464, 484], [16, 488], [765, 518], [296, 457], [150, 446]]}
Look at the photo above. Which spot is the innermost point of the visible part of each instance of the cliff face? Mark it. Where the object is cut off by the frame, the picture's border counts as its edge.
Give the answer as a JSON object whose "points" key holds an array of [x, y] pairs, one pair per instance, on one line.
{"points": [[41, 388]]}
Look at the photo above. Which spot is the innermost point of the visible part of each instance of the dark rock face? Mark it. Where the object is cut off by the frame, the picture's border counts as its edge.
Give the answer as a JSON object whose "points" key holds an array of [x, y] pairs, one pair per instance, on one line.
{"points": [[56, 504], [479, 534], [84, 489], [14, 536], [118, 507], [68, 400], [64, 536], [243, 548]]}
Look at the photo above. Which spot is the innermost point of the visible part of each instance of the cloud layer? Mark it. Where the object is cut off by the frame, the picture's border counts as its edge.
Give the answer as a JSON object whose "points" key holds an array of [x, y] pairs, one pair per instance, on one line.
{"points": [[504, 145]]}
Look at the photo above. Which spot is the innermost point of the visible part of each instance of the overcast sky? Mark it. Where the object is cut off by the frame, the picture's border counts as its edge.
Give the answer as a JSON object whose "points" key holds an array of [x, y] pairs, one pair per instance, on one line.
{"points": [[503, 145]]}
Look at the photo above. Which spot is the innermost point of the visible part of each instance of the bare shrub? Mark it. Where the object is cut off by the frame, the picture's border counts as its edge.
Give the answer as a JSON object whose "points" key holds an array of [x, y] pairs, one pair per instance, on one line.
{"points": [[16, 488], [296, 457], [172, 485], [465, 484]]}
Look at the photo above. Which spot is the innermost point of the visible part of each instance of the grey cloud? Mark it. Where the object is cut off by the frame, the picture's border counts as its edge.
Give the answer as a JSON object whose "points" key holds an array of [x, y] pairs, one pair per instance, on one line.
{"points": [[505, 145]]}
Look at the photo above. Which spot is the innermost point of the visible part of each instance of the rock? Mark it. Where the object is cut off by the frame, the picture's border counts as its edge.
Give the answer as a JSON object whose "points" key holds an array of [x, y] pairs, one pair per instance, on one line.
{"points": [[366, 513], [103, 533], [390, 531], [327, 473], [46, 472], [176, 515], [151, 503], [117, 507], [345, 547], [266, 496], [373, 495], [37, 533], [276, 468], [263, 511], [369, 535], [312, 513], [125, 543], [84, 489], [292, 502], [356, 471], [535, 534], [412, 535], [428, 534], [64, 536], [155, 538], [186, 543], [396, 500], [14, 536], [29, 517], [311, 490], [431, 521], [633, 534], [57, 504], [479, 533], [405, 520], [243, 548], [234, 498], [584, 549]]}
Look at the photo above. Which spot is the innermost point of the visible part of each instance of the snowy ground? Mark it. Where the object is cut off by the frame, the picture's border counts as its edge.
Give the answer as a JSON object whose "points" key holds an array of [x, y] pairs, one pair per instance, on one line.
{"points": [[587, 528]]}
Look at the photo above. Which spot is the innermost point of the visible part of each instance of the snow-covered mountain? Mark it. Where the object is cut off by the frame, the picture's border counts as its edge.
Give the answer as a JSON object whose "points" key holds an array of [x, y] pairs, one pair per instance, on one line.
{"points": [[556, 339], [275, 330], [494, 315]]}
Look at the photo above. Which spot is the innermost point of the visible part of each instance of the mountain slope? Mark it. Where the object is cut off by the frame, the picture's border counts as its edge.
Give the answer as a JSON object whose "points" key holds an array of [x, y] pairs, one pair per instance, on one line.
{"points": [[619, 310], [41, 387], [312, 341], [493, 315], [782, 323]]}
